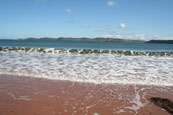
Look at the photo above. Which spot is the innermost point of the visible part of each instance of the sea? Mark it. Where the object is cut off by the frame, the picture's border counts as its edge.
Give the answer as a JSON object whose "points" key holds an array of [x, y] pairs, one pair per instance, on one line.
{"points": [[89, 62]]}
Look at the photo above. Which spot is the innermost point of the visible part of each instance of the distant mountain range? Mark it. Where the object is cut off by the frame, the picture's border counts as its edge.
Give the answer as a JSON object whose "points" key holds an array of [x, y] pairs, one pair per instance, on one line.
{"points": [[100, 39], [85, 39]]}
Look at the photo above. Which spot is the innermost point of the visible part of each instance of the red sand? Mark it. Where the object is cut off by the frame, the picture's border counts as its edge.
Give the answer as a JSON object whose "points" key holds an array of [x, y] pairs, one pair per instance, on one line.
{"points": [[37, 96]]}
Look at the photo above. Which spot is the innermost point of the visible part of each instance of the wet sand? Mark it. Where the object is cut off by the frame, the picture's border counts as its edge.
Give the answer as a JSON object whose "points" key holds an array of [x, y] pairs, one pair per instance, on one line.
{"points": [[37, 96]]}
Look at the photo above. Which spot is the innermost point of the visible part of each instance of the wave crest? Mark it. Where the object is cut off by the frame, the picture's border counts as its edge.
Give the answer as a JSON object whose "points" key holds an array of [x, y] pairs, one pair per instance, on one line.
{"points": [[84, 51]]}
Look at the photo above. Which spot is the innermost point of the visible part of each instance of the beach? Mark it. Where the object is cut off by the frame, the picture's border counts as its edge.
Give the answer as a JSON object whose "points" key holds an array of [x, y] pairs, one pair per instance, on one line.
{"points": [[86, 57], [40, 96]]}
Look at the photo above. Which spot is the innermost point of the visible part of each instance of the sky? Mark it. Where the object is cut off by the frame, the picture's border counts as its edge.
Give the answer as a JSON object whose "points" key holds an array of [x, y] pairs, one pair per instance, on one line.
{"points": [[125, 19]]}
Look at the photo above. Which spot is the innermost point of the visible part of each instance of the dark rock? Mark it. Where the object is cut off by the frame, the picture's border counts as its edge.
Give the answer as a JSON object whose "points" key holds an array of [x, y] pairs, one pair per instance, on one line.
{"points": [[163, 103]]}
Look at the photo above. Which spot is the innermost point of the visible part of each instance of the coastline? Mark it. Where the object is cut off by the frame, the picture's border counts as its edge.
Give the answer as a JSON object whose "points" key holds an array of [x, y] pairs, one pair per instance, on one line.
{"points": [[28, 95]]}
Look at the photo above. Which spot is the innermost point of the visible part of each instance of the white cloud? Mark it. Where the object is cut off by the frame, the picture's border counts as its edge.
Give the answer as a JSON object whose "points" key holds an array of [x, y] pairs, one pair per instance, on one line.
{"points": [[86, 25], [111, 3], [122, 25], [140, 36], [130, 36], [107, 36], [69, 10]]}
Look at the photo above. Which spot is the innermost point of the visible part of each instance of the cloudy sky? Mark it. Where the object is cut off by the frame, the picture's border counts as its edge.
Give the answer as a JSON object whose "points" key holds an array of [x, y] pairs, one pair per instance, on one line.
{"points": [[126, 19]]}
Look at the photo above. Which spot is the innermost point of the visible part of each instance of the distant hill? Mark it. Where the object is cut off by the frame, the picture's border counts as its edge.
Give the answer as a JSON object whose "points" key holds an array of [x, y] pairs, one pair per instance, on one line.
{"points": [[100, 39], [44, 38], [161, 41], [86, 39]]}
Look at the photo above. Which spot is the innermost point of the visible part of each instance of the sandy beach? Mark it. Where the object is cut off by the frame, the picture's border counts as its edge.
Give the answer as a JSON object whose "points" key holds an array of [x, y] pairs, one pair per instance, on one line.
{"points": [[37, 96]]}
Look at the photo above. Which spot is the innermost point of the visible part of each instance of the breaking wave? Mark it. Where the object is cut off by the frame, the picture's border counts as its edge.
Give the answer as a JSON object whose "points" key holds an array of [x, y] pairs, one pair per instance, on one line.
{"points": [[93, 66], [84, 51]]}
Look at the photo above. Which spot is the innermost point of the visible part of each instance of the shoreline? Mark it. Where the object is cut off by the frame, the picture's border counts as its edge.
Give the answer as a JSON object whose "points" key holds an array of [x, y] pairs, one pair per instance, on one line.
{"points": [[84, 82], [28, 95]]}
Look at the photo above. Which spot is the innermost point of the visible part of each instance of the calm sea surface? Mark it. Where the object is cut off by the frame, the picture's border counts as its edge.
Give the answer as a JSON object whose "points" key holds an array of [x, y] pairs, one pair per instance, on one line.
{"points": [[87, 45]]}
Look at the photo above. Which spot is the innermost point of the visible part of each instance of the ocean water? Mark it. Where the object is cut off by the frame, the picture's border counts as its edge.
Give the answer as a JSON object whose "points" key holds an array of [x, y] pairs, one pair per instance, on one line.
{"points": [[87, 45], [93, 62]]}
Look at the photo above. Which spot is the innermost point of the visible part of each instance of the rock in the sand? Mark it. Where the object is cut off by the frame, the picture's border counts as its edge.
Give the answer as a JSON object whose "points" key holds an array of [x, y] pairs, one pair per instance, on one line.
{"points": [[163, 103]]}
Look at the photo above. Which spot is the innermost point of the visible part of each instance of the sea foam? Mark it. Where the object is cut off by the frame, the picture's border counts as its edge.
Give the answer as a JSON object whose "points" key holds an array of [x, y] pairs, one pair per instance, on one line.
{"points": [[85, 51], [93, 68]]}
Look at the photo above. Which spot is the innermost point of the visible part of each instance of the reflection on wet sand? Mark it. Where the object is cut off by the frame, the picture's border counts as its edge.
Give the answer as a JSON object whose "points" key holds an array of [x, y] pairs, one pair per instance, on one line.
{"points": [[27, 95]]}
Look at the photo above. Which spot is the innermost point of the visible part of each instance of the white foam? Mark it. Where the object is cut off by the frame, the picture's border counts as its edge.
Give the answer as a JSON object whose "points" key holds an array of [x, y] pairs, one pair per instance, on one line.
{"points": [[146, 70], [137, 104], [26, 98]]}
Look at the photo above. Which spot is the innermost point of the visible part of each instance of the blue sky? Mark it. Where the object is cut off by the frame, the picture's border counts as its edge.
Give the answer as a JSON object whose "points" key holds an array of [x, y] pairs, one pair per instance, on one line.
{"points": [[126, 19]]}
